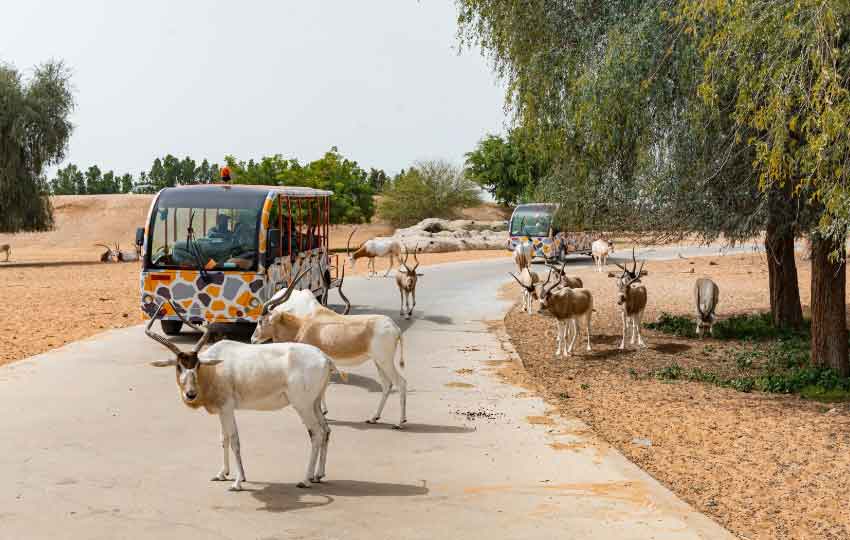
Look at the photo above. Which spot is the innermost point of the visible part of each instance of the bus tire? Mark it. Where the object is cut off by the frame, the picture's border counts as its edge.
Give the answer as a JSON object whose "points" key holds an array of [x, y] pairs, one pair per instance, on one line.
{"points": [[171, 328]]}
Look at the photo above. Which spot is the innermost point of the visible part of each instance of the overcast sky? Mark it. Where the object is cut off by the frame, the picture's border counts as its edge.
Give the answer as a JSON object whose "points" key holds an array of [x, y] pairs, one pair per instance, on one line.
{"points": [[380, 79]]}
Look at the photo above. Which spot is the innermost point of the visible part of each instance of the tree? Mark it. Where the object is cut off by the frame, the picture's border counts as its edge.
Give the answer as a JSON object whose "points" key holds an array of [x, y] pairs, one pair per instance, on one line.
{"points": [[34, 132], [67, 180], [509, 169], [788, 63], [126, 183], [377, 179], [353, 200], [94, 181], [609, 91], [428, 189]]}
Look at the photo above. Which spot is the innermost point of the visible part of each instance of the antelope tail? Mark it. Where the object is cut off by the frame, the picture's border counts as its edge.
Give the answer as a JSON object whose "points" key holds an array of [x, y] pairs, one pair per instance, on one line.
{"points": [[401, 351]]}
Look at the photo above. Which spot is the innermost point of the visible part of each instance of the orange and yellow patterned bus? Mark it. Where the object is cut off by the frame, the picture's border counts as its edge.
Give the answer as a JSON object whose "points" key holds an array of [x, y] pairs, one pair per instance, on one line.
{"points": [[220, 251]]}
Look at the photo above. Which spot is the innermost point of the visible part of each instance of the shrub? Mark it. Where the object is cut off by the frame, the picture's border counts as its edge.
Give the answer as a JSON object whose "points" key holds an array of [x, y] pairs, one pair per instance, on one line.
{"points": [[428, 189]]}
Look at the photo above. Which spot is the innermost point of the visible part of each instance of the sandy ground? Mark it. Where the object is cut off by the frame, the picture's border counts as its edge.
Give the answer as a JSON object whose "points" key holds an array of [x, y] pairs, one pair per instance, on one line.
{"points": [[82, 221], [765, 466]]}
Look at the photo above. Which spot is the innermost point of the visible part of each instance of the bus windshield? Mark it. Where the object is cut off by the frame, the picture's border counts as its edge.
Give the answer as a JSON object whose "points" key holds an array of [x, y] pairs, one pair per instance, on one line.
{"points": [[205, 234], [531, 222]]}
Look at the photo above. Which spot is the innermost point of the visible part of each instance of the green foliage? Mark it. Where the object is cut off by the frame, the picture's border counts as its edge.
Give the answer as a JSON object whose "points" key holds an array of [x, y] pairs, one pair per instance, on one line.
{"points": [[754, 327], [509, 169], [34, 130], [780, 367], [428, 189], [786, 64], [353, 200]]}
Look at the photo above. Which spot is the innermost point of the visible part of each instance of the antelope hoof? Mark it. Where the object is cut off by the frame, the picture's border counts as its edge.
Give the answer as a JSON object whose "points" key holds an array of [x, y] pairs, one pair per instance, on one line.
{"points": [[303, 485], [220, 477], [398, 427], [373, 420], [316, 479], [237, 486]]}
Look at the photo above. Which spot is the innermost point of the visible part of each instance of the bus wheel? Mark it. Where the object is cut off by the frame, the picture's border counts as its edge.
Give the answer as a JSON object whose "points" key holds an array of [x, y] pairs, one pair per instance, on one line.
{"points": [[171, 328]]}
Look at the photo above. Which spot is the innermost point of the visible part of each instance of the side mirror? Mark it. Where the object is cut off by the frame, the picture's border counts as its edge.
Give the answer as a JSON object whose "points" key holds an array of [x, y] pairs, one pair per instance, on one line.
{"points": [[140, 236]]}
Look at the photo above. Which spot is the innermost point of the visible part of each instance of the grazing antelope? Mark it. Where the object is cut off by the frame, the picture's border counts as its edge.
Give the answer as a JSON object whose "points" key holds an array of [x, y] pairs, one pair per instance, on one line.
{"points": [[232, 375], [600, 250], [706, 297], [349, 340], [528, 280], [632, 299], [126, 256], [406, 280], [7, 249], [109, 255], [567, 305], [376, 247]]}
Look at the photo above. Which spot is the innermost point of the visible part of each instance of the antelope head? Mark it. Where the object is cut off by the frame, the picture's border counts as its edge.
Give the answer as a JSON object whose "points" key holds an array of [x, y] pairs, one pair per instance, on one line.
{"points": [[186, 362], [265, 330], [350, 254], [627, 278]]}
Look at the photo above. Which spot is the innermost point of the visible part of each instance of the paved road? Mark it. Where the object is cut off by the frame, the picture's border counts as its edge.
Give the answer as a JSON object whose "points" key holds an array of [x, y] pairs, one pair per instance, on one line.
{"points": [[96, 445]]}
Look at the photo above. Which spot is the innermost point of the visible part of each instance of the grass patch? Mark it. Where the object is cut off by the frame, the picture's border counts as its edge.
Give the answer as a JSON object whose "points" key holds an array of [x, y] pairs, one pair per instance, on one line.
{"points": [[755, 327], [781, 367]]}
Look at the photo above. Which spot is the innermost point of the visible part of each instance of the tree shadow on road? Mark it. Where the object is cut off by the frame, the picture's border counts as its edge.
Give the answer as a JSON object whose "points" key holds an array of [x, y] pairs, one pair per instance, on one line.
{"points": [[287, 497], [408, 428]]}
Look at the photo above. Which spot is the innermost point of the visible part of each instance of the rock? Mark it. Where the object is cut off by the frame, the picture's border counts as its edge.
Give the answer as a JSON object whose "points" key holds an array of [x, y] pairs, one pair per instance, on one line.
{"points": [[435, 235], [640, 441]]}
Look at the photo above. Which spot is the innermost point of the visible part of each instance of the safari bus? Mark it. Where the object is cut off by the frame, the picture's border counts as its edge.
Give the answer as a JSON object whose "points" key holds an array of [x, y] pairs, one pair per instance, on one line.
{"points": [[220, 251], [534, 224]]}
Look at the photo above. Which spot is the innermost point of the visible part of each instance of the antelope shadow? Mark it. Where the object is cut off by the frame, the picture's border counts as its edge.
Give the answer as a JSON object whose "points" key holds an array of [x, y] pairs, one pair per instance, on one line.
{"points": [[286, 497]]}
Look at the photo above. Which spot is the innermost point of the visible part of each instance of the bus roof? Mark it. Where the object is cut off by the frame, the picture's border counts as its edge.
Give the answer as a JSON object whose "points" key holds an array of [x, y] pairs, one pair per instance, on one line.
{"points": [[286, 191]]}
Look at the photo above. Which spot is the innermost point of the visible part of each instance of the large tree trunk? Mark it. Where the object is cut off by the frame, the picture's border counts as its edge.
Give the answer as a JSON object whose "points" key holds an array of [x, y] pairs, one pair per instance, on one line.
{"points": [[829, 320], [785, 304]]}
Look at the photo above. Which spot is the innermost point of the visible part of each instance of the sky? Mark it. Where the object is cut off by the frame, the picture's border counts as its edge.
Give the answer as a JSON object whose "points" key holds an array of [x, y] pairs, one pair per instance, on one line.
{"points": [[380, 79]]}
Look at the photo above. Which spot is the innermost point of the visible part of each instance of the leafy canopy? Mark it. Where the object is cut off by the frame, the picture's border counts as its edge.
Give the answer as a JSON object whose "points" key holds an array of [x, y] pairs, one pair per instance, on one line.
{"points": [[34, 130], [353, 200], [508, 168], [428, 189]]}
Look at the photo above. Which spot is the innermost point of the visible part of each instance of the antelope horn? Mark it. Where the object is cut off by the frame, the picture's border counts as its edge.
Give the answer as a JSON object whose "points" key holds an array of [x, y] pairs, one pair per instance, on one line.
{"points": [[521, 284], [158, 338], [271, 304], [104, 246], [348, 242], [415, 258], [634, 265], [205, 336], [406, 255], [339, 290]]}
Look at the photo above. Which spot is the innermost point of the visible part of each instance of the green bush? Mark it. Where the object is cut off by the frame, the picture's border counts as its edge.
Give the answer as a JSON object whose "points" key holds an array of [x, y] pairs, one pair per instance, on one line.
{"points": [[428, 189], [755, 327]]}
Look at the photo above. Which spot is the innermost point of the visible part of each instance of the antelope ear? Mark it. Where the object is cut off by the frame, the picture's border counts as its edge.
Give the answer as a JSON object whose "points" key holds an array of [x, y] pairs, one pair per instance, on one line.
{"points": [[164, 363], [210, 361]]}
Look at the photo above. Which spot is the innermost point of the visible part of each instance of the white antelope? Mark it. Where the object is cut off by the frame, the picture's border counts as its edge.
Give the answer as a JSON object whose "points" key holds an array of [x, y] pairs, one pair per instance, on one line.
{"points": [[127, 256], [632, 300], [232, 375], [349, 340], [406, 280], [522, 256], [567, 305], [600, 250], [109, 255], [706, 297], [528, 280], [376, 247]]}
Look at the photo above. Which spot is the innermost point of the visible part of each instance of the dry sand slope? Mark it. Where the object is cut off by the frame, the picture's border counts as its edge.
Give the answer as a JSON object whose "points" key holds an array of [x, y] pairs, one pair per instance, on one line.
{"points": [[82, 221]]}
